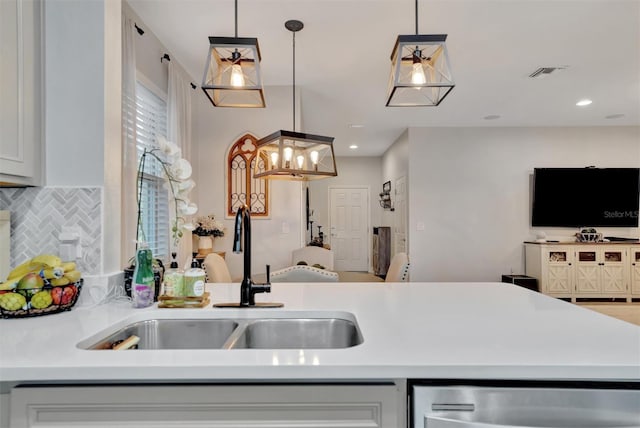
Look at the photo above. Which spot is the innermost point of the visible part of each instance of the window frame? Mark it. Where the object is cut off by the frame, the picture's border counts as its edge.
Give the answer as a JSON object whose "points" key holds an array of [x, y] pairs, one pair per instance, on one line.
{"points": [[248, 156]]}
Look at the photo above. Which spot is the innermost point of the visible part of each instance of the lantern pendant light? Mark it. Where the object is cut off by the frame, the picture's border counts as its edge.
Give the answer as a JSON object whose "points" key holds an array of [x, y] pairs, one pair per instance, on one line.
{"points": [[420, 70], [232, 76], [292, 155]]}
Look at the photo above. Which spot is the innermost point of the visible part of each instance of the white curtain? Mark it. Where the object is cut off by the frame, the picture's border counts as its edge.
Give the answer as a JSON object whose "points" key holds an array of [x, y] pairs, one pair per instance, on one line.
{"points": [[129, 158], [179, 131]]}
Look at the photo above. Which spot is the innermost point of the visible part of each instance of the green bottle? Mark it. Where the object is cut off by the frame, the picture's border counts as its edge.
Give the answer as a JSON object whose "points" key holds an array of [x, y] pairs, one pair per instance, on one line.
{"points": [[143, 286]]}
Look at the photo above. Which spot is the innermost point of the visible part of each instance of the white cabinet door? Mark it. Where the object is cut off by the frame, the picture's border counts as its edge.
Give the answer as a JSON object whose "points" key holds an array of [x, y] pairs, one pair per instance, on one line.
{"points": [[558, 270], [222, 406], [635, 271], [587, 268], [20, 87], [614, 270]]}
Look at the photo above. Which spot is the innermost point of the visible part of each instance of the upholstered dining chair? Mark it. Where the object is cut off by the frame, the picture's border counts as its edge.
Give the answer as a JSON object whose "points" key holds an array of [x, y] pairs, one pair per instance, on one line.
{"points": [[398, 268], [301, 273], [215, 268], [313, 255]]}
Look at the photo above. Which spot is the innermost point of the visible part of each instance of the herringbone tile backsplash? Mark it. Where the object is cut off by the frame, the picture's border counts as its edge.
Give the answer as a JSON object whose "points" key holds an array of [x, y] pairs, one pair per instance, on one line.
{"points": [[38, 215]]}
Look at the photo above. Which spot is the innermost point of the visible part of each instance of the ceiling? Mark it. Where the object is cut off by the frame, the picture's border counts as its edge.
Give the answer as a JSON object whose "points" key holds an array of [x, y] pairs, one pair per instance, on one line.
{"points": [[342, 59]]}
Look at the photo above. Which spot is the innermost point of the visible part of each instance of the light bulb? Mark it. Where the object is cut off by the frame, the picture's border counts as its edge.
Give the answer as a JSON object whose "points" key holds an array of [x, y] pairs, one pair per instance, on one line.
{"points": [[237, 77], [288, 153], [417, 74], [314, 157], [300, 160], [274, 159]]}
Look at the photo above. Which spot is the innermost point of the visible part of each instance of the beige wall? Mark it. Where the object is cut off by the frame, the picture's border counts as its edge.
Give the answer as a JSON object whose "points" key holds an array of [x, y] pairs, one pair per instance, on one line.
{"points": [[471, 188], [215, 129]]}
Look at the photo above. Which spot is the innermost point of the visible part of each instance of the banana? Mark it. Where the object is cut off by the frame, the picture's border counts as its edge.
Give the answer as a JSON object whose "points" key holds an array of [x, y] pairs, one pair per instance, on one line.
{"points": [[9, 284], [68, 266], [73, 276], [56, 282], [23, 269], [51, 273], [46, 265], [50, 260]]}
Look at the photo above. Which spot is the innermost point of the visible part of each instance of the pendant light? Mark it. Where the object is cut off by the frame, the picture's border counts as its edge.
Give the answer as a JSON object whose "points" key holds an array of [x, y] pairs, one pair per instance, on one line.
{"points": [[420, 70], [292, 155], [232, 75]]}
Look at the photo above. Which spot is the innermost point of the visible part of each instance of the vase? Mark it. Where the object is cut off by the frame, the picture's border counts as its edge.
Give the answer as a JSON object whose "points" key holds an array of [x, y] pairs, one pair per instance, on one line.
{"points": [[205, 245]]}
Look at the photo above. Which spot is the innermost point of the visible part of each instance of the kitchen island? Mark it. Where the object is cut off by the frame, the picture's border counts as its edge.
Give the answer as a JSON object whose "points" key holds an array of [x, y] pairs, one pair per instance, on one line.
{"points": [[479, 331]]}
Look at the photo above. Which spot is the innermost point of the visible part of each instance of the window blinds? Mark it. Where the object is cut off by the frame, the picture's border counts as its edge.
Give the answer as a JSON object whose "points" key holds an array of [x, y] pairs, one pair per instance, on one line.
{"points": [[151, 121]]}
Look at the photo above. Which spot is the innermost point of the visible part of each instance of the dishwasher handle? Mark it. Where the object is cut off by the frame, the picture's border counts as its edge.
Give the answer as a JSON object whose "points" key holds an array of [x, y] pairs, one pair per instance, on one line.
{"points": [[431, 421]]}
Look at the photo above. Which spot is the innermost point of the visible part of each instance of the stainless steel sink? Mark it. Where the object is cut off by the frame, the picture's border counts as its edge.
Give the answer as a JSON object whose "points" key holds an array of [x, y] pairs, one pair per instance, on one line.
{"points": [[299, 333], [316, 332], [174, 334]]}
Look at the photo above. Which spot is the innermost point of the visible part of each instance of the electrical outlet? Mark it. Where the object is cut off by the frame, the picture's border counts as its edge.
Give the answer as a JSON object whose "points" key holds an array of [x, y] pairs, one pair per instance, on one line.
{"points": [[70, 248]]}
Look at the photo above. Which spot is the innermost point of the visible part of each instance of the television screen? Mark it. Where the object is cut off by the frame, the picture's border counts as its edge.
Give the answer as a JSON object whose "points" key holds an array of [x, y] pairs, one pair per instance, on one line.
{"points": [[586, 197]]}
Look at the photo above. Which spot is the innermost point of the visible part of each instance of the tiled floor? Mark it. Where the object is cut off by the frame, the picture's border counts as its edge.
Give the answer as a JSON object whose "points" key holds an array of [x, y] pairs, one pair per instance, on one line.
{"points": [[629, 312]]}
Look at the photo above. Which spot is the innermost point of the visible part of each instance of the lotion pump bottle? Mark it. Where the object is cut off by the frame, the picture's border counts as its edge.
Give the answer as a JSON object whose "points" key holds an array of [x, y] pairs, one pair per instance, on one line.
{"points": [[174, 279], [194, 279]]}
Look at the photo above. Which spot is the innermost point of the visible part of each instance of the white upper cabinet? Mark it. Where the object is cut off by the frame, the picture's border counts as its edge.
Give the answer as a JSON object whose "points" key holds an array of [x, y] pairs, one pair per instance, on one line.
{"points": [[20, 92]]}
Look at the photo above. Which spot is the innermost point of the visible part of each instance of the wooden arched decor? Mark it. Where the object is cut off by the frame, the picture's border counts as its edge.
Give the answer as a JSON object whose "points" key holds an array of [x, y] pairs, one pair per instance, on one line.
{"points": [[242, 188]]}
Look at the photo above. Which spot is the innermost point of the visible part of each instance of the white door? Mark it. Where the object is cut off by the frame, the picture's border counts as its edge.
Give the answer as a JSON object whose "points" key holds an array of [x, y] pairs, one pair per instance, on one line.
{"points": [[400, 217], [349, 222]]}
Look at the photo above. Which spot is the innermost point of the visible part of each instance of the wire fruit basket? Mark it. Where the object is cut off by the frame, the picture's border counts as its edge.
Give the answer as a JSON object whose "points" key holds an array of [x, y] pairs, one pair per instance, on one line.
{"points": [[33, 302]]}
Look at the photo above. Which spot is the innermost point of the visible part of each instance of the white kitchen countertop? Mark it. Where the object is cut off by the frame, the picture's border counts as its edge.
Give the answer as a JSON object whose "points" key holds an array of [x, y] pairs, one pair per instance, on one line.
{"points": [[410, 330]]}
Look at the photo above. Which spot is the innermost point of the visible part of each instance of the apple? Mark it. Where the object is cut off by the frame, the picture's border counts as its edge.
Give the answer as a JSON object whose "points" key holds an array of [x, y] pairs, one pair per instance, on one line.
{"points": [[68, 294], [31, 283], [56, 295]]}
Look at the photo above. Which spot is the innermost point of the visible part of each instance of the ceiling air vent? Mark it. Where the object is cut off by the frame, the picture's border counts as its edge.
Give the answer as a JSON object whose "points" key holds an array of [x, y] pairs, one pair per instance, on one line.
{"points": [[543, 72]]}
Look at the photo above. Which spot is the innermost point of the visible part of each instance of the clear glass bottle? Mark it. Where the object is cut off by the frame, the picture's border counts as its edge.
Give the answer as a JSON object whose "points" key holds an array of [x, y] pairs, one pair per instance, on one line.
{"points": [[174, 279], [143, 282], [194, 280]]}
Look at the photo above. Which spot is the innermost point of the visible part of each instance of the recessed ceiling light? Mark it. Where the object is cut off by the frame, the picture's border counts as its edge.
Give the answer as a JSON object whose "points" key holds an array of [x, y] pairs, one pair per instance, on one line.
{"points": [[492, 117], [356, 125], [614, 116], [583, 103], [353, 146]]}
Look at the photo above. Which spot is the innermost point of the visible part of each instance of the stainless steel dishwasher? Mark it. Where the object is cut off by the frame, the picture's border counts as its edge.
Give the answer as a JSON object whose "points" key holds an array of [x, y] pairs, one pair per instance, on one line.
{"points": [[525, 405]]}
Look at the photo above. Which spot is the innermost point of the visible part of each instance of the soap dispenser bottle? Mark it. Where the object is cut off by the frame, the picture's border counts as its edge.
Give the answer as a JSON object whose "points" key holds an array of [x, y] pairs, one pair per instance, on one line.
{"points": [[174, 279], [194, 280]]}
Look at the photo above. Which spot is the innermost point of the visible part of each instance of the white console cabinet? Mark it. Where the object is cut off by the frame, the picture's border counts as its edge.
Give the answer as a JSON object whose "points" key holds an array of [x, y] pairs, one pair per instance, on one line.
{"points": [[218, 406], [20, 92], [585, 270]]}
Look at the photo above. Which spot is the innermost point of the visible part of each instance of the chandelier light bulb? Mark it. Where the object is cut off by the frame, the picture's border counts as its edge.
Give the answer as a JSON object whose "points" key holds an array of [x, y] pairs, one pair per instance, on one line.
{"points": [[274, 159], [300, 160], [237, 77], [417, 74], [288, 153], [314, 157]]}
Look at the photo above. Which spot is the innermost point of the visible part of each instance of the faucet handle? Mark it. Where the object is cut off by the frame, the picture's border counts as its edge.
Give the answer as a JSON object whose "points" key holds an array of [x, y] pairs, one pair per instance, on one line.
{"points": [[268, 267]]}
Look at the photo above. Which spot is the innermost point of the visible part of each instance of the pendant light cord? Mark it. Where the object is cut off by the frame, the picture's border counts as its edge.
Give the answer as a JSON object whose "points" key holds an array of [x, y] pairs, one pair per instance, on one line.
{"points": [[236, 8], [294, 82], [416, 17]]}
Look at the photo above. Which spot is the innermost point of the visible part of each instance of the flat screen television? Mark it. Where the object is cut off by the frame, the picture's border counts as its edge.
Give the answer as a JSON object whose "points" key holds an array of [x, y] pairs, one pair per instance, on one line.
{"points": [[585, 197]]}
